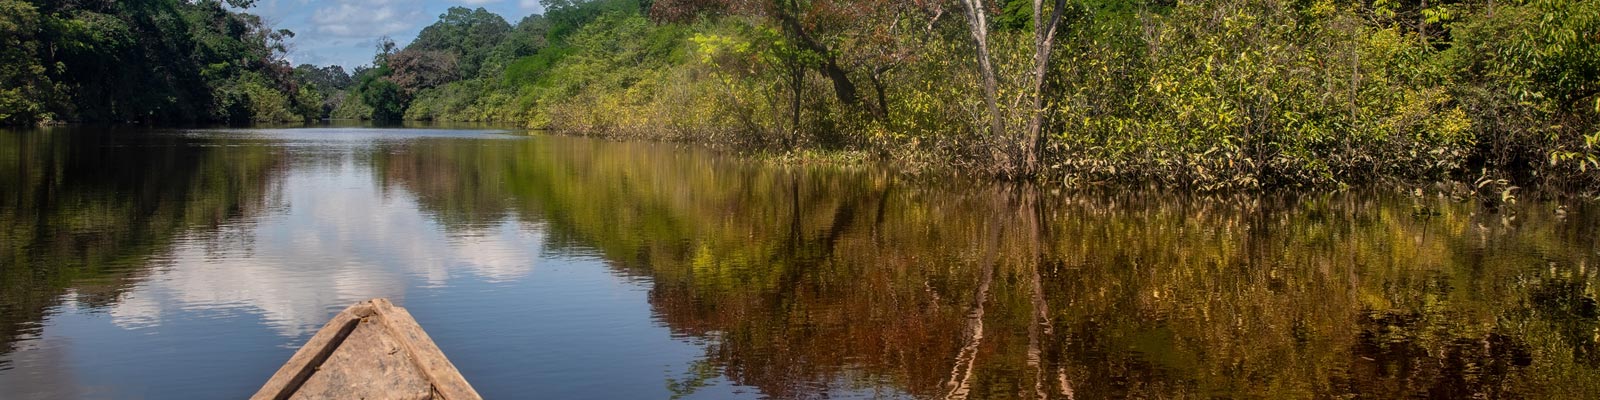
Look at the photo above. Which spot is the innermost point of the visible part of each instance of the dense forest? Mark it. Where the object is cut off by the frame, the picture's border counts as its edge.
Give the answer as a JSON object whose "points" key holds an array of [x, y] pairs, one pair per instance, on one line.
{"points": [[149, 61], [1209, 94]]}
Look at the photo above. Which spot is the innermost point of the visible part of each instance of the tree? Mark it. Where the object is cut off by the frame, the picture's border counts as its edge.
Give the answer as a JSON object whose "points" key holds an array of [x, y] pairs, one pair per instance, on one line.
{"points": [[415, 70], [1044, 40], [146, 61], [26, 92], [528, 37], [788, 12], [388, 100], [566, 16], [978, 22], [813, 25], [329, 78], [470, 36], [329, 84], [386, 48], [1044, 36]]}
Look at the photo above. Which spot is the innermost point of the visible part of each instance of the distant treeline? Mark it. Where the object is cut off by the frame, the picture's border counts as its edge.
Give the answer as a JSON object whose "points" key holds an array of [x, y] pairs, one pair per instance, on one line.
{"points": [[1207, 94]]}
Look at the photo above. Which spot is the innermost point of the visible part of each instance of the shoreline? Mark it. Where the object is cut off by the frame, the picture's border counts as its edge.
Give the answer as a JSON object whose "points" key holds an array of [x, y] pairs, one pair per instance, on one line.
{"points": [[1489, 190]]}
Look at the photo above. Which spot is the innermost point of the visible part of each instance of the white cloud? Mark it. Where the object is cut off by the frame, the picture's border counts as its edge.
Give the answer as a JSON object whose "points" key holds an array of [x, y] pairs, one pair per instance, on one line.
{"points": [[343, 32], [367, 18]]}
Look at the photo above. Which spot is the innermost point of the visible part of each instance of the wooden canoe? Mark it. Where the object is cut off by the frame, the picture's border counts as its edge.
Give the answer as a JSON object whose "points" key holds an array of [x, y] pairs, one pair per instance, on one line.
{"points": [[372, 350]]}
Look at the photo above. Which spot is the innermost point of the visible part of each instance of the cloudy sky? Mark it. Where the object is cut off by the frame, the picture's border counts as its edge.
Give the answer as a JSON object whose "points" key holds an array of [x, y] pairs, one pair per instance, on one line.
{"points": [[345, 32]]}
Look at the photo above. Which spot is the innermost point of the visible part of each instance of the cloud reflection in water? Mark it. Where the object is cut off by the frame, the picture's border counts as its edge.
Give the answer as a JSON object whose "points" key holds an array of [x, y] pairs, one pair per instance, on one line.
{"points": [[339, 239]]}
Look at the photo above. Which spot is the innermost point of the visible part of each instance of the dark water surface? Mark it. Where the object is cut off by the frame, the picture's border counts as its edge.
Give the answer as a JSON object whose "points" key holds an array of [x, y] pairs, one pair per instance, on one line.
{"points": [[190, 263]]}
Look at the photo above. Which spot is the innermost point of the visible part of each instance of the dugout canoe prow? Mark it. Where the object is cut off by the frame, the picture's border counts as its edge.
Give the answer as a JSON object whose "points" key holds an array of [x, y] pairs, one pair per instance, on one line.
{"points": [[372, 350]]}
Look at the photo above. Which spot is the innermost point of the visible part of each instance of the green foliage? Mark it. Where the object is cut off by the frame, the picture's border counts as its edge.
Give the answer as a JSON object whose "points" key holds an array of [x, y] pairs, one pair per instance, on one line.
{"points": [[351, 108], [1529, 72], [1212, 94], [326, 79], [387, 100], [527, 71], [1243, 94], [470, 36], [526, 39], [415, 69], [1267, 94], [375, 96], [1209, 94], [27, 94], [457, 101], [566, 17], [322, 89], [149, 61], [615, 64], [250, 98]]}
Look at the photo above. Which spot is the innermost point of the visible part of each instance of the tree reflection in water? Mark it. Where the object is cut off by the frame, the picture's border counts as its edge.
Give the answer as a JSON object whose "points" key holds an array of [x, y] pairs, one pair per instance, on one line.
{"points": [[811, 281], [810, 278], [87, 208]]}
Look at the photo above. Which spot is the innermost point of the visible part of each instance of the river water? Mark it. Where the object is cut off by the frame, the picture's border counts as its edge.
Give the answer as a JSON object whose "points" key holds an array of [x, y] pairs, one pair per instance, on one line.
{"points": [[178, 264]]}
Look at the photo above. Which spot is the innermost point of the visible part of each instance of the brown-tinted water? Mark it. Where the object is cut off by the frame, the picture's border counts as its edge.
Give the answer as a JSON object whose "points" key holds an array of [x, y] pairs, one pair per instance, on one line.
{"points": [[190, 263]]}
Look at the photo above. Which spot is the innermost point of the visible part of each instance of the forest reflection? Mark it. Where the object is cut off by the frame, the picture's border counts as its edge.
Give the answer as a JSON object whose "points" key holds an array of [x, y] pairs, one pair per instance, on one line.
{"points": [[808, 278], [811, 281], [85, 210]]}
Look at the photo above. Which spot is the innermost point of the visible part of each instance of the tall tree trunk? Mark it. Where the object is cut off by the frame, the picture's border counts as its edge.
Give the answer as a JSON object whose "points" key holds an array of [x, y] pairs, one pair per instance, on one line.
{"points": [[1044, 39], [843, 88], [876, 78], [796, 84], [978, 20]]}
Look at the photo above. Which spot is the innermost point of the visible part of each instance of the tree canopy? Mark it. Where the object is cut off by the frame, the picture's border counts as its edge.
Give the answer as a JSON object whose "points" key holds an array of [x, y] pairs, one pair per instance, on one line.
{"points": [[153, 61]]}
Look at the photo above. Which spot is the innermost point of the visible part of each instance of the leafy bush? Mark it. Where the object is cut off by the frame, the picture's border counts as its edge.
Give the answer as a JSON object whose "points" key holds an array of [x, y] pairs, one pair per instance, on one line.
{"points": [[1529, 72], [163, 61]]}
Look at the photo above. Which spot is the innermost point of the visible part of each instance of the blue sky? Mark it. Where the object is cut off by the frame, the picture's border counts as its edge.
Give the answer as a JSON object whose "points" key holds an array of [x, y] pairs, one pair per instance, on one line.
{"points": [[345, 32]]}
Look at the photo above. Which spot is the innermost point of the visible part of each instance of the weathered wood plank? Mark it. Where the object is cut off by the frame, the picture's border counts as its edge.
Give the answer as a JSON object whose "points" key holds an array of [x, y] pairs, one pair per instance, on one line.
{"points": [[447, 380], [311, 355], [372, 350], [369, 365]]}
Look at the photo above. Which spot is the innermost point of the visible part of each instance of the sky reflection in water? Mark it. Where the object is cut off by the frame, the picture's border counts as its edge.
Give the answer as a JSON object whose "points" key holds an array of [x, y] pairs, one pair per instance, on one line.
{"points": [[190, 263]]}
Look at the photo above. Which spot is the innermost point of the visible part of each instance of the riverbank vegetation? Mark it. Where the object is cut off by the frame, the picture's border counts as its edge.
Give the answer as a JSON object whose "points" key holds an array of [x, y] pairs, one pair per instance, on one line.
{"points": [[151, 61], [1210, 94], [1207, 94]]}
